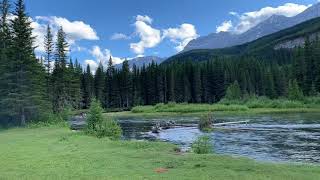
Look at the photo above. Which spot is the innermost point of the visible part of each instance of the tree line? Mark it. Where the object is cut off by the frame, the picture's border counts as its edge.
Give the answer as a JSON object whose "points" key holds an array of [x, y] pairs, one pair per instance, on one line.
{"points": [[32, 89]]}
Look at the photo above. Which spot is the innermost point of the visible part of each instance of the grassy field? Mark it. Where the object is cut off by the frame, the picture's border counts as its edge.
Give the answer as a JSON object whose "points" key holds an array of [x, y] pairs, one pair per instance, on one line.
{"points": [[58, 153]]}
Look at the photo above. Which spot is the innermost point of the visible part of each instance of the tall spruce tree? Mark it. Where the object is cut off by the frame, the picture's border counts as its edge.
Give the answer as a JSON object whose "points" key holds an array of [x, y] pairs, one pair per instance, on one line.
{"points": [[60, 75], [24, 100], [99, 83], [48, 46], [5, 43]]}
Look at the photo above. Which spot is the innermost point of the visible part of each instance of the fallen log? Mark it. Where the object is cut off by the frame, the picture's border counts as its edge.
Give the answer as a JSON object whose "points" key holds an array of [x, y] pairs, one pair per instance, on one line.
{"points": [[230, 123]]}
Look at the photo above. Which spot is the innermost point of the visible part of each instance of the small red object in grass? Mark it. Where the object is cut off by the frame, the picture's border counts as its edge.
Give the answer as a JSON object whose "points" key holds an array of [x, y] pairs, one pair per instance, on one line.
{"points": [[161, 170]]}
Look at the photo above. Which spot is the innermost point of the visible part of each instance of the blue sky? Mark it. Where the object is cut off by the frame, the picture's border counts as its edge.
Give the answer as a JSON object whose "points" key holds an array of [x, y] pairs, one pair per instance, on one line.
{"points": [[162, 28]]}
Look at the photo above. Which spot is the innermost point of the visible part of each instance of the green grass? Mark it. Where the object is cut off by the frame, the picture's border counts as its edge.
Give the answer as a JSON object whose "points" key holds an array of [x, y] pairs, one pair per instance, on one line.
{"points": [[58, 153], [248, 106]]}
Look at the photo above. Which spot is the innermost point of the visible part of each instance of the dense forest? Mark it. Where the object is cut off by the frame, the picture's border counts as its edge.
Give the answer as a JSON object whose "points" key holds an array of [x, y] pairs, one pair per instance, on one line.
{"points": [[33, 89]]}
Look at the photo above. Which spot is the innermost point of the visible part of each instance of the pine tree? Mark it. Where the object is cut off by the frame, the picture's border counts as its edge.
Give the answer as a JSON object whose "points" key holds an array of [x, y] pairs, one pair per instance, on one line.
{"points": [[233, 92], [110, 85], [294, 91], [88, 84], [5, 44], [270, 87], [310, 66], [48, 46], [126, 85], [60, 75], [99, 83], [74, 84], [24, 99], [196, 84]]}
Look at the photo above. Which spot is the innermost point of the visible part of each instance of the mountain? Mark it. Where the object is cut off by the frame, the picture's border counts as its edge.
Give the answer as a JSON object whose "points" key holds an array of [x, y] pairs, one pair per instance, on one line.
{"points": [[263, 47], [140, 61], [274, 24]]}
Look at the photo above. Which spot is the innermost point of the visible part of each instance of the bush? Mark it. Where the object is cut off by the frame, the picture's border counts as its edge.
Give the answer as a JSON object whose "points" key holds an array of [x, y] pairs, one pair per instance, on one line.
{"points": [[109, 128], [205, 123], [95, 116], [202, 145], [99, 125]]}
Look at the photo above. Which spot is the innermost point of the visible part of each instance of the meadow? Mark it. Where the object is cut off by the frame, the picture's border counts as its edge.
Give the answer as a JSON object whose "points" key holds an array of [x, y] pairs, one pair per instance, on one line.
{"points": [[55, 152]]}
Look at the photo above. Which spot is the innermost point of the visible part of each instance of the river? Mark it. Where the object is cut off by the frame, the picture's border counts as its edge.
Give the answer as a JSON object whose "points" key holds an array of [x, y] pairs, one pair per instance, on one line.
{"points": [[272, 138]]}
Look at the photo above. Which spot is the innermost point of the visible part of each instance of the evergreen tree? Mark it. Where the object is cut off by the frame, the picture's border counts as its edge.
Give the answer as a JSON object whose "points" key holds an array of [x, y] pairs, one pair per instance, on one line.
{"points": [[310, 66], [24, 78], [234, 92], [294, 91], [126, 85], [88, 87], [5, 44], [99, 83], [48, 46], [110, 84], [60, 75]]}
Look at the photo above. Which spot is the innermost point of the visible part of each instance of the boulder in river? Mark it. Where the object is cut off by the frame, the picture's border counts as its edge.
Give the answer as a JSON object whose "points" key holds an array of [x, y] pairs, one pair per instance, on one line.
{"points": [[77, 123]]}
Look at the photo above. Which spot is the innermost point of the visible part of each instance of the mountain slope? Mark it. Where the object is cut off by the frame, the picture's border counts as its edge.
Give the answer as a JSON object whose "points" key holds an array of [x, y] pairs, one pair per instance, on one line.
{"points": [[259, 47], [140, 61], [273, 24]]}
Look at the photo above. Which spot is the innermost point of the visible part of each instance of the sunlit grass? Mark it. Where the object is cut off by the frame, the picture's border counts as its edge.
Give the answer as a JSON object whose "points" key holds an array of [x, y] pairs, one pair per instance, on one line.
{"points": [[58, 153]]}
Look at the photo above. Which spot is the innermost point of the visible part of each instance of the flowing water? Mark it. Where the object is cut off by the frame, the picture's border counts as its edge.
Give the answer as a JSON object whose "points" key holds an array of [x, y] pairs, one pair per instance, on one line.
{"points": [[274, 138]]}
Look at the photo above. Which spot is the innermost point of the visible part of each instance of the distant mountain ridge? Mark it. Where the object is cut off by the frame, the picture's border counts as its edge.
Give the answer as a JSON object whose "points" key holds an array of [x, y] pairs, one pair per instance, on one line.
{"points": [[273, 24], [263, 47], [140, 61]]}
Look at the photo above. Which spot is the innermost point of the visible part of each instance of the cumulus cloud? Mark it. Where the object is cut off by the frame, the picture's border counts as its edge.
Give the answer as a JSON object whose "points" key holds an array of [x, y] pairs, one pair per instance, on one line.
{"points": [[225, 26], [145, 19], [75, 30], [149, 36], [119, 36], [101, 56], [181, 35], [247, 20]]}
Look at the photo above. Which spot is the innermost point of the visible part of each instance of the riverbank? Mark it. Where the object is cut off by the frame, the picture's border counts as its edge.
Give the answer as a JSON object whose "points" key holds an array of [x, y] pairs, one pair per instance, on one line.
{"points": [[198, 110], [58, 153]]}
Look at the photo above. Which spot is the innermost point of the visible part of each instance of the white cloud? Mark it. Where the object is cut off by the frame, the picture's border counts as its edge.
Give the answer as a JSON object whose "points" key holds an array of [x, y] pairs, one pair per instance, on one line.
{"points": [[248, 20], [224, 27], [75, 30], [181, 35], [102, 56], [145, 19], [93, 65], [119, 36], [149, 36], [39, 31]]}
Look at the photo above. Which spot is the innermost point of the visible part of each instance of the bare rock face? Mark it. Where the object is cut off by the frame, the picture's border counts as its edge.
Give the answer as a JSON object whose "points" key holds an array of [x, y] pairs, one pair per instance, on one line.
{"points": [[298, 42], [274, 24]]}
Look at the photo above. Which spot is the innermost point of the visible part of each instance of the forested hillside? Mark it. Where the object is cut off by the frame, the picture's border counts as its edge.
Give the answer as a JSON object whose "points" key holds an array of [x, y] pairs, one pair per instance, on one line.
{"points": [[33, 89]]}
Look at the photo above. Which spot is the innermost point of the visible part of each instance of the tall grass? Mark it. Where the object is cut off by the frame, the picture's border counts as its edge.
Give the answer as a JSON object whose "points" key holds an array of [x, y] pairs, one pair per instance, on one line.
{"points": [[282, 103], [188, 108], [243, 105]]}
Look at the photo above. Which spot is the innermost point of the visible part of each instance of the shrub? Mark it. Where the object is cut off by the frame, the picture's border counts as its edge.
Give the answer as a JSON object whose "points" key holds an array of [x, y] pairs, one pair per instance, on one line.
{"points": [[101, 126], [95, 116], [109, 128], [202, 145], [206, 122]]}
